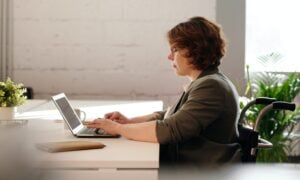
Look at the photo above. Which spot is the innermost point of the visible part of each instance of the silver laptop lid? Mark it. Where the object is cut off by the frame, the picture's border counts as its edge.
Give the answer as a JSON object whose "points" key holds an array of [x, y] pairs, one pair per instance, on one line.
{"points": [[63, 105]]}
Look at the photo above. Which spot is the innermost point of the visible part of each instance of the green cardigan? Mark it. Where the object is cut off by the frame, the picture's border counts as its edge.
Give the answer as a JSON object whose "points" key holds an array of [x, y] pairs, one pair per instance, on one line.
{"points": [[201, 127]]}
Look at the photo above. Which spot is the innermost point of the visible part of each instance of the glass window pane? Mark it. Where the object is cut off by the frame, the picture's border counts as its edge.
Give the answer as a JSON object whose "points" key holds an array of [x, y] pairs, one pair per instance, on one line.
{"points": [[273, 35]]}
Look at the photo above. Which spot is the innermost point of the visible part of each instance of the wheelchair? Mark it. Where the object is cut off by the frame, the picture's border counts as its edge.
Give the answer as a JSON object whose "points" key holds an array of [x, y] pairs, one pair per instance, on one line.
{"points": [[248, 137]]}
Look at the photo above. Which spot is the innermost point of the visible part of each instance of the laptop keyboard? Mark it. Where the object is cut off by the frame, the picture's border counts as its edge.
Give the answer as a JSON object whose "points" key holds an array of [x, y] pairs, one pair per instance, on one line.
{"points": [[92, 131], [88, 131]]}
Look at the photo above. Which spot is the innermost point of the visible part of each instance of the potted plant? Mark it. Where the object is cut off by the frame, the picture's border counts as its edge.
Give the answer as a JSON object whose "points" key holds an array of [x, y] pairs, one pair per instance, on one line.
{"points": [[277, 125], [11, 96]]}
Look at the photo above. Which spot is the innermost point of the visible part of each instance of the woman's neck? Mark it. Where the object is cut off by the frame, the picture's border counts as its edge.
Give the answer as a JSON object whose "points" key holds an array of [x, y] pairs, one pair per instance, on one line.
{"points": [[194, 74]]}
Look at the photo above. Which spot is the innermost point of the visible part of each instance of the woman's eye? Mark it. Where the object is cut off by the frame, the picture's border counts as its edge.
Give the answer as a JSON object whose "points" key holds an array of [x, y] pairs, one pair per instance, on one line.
{"points": [[174, 49]]}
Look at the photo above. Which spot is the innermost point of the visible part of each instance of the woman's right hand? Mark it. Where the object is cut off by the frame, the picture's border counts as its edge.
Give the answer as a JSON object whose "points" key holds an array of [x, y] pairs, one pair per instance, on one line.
{"points": [[117, 116]]}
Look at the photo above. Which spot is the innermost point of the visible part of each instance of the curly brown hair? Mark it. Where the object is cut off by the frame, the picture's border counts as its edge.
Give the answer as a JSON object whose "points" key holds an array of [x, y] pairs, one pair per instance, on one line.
{"points": [[202, 38]]}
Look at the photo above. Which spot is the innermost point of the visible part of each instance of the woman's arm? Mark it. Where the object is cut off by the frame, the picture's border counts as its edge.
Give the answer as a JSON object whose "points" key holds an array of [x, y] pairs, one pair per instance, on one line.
{"points": [[145, 118], [120, 118], [145, 131]]}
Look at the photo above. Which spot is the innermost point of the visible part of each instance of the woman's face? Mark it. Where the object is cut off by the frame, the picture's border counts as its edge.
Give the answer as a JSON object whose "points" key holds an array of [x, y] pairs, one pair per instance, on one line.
{"points": [[179, 61]]}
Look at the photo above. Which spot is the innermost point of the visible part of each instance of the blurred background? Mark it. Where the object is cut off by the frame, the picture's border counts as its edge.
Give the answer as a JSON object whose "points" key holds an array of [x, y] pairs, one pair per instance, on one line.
{"points": [[108, 49]]}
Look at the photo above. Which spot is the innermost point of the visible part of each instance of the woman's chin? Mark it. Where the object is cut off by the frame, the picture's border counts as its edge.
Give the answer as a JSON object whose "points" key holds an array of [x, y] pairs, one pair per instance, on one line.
{"points": [[178, 73]]}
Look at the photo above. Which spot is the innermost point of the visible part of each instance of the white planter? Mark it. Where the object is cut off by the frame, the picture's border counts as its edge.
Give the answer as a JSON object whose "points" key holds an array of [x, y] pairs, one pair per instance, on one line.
{"points": [[7, 113]]}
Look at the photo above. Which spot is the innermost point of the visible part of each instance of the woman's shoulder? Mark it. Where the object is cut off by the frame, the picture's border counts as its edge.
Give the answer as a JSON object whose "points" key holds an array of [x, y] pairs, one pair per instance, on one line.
{"points": [[215, 83], [211, 79]]}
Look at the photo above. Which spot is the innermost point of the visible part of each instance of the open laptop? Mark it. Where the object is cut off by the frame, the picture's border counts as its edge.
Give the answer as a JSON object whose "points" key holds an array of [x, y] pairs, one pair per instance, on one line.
{"points": [[72, 120]]}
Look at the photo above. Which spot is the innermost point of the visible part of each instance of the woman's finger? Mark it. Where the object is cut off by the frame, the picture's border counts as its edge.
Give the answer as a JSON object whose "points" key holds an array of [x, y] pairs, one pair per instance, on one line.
{"points": [[115, 115], [95, 121], [108, 115], [92, 125]]}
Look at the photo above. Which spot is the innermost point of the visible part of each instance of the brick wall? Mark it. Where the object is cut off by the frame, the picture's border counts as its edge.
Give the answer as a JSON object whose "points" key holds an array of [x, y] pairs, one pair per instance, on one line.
{"points": [[99, 49]]}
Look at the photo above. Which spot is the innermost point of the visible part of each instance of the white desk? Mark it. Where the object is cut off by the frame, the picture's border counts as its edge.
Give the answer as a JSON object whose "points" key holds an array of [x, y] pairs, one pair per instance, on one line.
{"points": [[120, 156], [120, 159], [119, 153]]}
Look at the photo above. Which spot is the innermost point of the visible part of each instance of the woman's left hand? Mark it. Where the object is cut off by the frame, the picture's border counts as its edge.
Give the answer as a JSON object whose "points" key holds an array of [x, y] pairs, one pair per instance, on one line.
{"points": [[110, 127]]}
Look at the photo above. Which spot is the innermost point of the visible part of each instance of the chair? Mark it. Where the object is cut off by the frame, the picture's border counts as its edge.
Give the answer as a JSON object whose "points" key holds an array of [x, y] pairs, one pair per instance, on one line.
{"points": [[249, 136]]}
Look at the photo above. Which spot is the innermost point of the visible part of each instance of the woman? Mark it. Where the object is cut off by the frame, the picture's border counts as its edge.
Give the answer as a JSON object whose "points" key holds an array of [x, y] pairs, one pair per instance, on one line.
{"points": [[201, 126]]}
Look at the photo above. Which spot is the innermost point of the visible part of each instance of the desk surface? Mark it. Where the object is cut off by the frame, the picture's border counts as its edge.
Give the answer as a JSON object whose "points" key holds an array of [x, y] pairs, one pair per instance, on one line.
{"points": [[118, 153], [45, 125], [141, 158]]}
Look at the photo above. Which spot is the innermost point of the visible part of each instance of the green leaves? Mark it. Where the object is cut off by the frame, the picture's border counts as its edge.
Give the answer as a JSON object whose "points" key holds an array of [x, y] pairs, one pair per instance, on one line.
{"points": [[11, 94], [277, 124], [281, 87]]}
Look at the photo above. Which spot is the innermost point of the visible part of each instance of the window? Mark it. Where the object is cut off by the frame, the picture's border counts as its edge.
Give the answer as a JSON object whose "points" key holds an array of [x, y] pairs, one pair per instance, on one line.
{"points": [[273, 35]]}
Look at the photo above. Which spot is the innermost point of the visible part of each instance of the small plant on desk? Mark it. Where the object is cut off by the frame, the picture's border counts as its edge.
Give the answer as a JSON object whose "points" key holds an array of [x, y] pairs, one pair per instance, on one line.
{"points": [[11, 96]]}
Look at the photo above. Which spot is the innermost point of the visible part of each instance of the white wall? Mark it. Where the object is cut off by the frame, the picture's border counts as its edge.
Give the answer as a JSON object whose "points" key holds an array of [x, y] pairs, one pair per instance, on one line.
{"points": [[231, 15], [100, 49]]}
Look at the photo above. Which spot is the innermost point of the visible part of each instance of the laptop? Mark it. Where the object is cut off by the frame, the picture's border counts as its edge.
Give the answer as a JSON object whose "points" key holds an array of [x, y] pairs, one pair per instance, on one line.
{"points": [[72, 120]]}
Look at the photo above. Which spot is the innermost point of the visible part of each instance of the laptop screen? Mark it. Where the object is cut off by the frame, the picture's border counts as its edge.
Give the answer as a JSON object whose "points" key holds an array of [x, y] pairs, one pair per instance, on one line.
{"points": [[67, 111]]}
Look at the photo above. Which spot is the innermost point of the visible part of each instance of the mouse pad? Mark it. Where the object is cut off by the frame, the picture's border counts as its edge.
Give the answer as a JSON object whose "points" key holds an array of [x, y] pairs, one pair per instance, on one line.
{"points": [[69, 146]]}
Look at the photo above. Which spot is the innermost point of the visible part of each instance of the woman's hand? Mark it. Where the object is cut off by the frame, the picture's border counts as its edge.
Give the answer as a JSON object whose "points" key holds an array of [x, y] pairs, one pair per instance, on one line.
{"points": [[117, 116], [108, 126], [138, 131]]}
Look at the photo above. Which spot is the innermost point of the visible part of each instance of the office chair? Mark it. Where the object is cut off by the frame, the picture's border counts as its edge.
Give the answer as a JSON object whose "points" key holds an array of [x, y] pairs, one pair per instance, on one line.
{"points": [[249, 136]]}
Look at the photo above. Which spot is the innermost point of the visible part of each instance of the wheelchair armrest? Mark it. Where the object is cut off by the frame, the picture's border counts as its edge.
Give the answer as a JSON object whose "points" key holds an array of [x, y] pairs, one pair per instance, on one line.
{"points": [[262, 143]]}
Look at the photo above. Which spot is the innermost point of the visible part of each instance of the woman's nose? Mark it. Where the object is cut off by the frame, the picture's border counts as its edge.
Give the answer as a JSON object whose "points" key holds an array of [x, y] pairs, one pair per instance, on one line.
{"points": [[170, 56]]}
